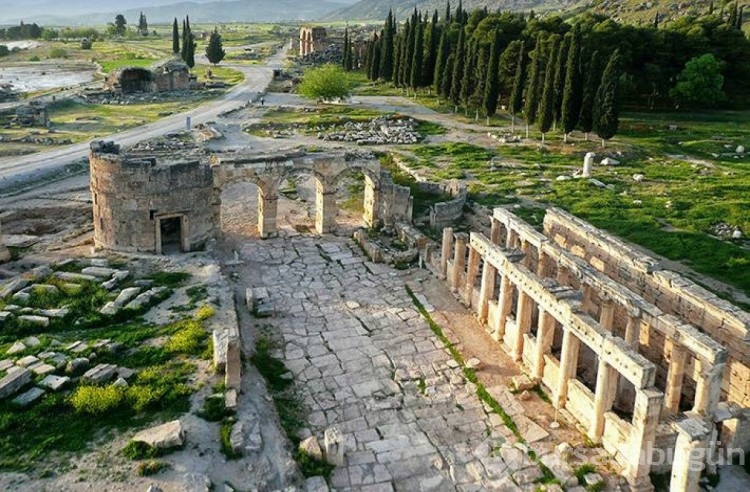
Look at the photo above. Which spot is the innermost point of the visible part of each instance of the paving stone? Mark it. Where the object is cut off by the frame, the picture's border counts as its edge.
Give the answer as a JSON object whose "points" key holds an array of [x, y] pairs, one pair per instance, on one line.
{"points": [[27, 361], [29, 397], [55, 383]]}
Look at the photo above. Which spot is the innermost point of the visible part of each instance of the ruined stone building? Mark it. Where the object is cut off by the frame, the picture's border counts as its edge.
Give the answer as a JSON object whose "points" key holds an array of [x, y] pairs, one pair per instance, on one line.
{"points": [[153, 205], [311, 39], [173, 75], [647, 362]]}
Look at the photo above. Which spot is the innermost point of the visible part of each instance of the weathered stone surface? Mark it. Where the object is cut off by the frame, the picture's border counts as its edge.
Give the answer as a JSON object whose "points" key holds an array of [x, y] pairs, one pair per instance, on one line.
{"points": [[74, 277], [311, 447], [14, 381], [55, 383], [41, 369], [237, 438], [230, 400], [113, 307], [27, 361], [5, 316], [16, 348], [6, 364], [100, 374], [316, 484], [77, 365], [54, 313], [29, 397], [163, 436], [102, 272], [35, 320], [12, 287]]}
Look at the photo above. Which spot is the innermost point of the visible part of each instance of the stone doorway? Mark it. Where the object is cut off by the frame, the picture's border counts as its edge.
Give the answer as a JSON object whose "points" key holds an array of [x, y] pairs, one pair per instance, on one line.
{"points": [[170, 234]]}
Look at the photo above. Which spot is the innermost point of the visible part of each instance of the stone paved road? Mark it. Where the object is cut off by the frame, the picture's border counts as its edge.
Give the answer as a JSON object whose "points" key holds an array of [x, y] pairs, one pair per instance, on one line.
{"points": [[366, 361]]}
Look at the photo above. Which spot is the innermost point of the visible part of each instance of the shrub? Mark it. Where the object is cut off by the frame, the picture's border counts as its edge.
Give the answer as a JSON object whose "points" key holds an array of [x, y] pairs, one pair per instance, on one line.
{"points": [[86, 44], [58, 53], [95, 400], [151, 467], [214, 408], [205, 312], [35, 59], [137, 450], [188, 340], [4, 51]]}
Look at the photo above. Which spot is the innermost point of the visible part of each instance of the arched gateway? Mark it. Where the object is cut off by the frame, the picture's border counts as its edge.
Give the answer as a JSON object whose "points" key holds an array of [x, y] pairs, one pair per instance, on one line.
{"points": [[145, 203], [269, 172]]}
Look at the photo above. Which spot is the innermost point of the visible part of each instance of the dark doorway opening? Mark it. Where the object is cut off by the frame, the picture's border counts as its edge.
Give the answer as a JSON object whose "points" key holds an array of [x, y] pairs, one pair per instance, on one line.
{"points": [[171, 235]]}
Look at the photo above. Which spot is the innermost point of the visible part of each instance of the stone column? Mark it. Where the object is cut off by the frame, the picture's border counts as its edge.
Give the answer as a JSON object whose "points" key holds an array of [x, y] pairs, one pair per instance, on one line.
{"points": [[544, 337], [267, 210], [495, 231], [568, 365], [541, 269], [471, 276], [689, 453], [708, 388], [487, 290], [675, 374], [633, 330], [604, 397], [524, 311], [446, 251], [505, 304], [588, 164], [512, 239], [325, 209], [459, 260], [372, 203], [646, 410], [563, 275], [607, 314]]}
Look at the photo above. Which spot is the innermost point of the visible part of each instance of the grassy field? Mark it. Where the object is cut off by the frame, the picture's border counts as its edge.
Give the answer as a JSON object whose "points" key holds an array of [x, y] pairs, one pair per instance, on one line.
{"points": [[163, 357]]}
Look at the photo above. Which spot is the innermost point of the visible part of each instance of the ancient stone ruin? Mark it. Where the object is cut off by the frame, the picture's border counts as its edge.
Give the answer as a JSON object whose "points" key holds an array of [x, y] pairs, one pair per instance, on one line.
{"points": [[173, 75], [145, 204], [648, 363], [311, 39]]}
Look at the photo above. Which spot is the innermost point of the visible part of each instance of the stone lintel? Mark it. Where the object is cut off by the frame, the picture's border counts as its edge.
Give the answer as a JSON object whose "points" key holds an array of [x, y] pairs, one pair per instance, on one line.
{"points": [[525, 231]]}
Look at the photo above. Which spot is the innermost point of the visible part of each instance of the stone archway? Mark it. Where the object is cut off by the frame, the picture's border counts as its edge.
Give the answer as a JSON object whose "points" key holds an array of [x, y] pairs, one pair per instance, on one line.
{"points": [[269, 173]]}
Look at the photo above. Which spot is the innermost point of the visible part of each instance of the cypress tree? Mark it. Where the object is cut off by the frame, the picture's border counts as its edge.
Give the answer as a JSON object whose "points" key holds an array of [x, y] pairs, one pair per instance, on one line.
{"points": [[656, 20], [441, 61], [447, 80], [516, 93], [469, 77], [431, 51], [375, 63], [740, 14], [447, 13], [559, 81], [215, 49], [711, 8], [459, 59], [533, 88], [410, 44], [190, 52], [491, 85], [183, 50], [396, 59], [405, 66], [415, 77], [732, 20], [586, 119], [547, 104], [607, 105], [386, 48], [175, 37], [572, 93]]}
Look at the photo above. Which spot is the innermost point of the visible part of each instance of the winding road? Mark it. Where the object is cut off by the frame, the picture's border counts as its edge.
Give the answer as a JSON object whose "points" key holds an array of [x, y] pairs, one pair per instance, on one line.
{"points": [[257, 78]]}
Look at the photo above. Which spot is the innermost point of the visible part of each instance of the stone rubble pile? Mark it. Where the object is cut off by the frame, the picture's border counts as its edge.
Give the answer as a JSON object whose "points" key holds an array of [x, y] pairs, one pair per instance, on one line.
{"points": [[380, 131], [169, 142], [723, 230]]}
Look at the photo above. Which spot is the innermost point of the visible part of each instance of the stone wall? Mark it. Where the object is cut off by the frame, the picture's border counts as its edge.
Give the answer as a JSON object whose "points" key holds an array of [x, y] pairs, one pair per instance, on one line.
{"points": [[396, 203], [444, 214], [311, 40], [133, 195]]}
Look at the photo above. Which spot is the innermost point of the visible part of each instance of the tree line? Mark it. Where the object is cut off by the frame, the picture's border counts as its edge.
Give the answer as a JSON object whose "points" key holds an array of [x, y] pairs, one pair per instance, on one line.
{"points": [[552, 72]]}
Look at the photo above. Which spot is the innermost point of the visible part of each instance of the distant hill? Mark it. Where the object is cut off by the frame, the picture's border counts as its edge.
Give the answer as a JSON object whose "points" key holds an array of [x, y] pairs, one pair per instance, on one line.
{"points": [[96, 12], [378, 9]]}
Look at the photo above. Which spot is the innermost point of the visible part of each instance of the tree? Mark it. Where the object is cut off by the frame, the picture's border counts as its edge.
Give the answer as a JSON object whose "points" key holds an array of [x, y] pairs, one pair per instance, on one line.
{"points": [[607, 105], [417, 70], [143, 25], [547, 104], [533, 89], [586, 118], [375, 62], [175, 37], [215, 49], [190, 52], [700, 83], [120, 24], [386, 48], [561, 64], [347, 62], [572, 92], [516, 94], [491, 85], [325, 83], [457, 72], [441, 61]]}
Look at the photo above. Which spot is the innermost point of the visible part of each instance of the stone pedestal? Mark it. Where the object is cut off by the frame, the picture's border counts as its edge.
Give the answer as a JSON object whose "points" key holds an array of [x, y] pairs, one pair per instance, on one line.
{"points": [[459, 261], [489, 276], [588, 164], [689, 455], [446, 251]]}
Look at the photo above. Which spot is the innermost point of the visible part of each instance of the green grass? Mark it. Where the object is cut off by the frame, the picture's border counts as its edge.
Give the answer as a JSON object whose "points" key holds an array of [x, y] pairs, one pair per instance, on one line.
{"points": [[225, 433]]}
